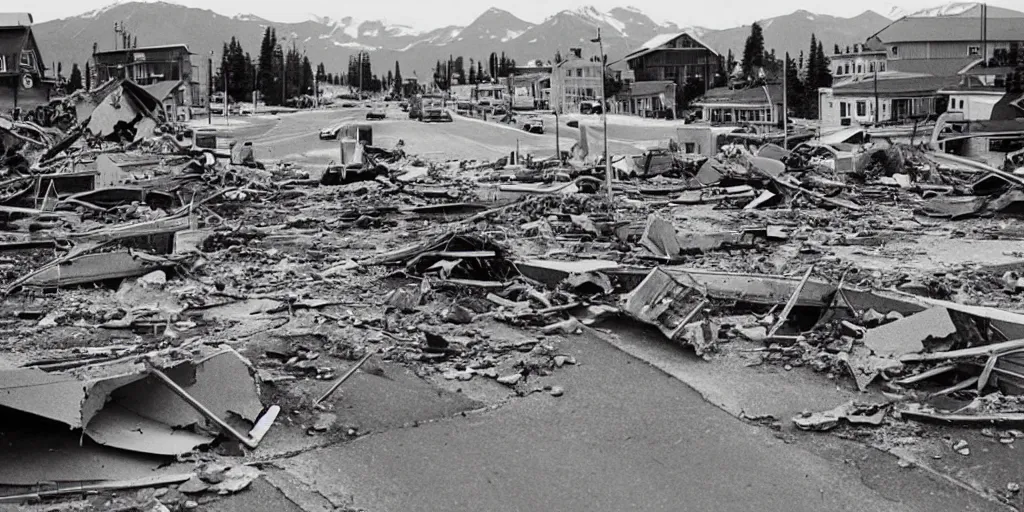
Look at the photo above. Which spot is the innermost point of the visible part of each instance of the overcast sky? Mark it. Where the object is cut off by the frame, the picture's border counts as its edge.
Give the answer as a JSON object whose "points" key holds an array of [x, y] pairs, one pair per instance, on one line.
{"points": [[422, 14]]}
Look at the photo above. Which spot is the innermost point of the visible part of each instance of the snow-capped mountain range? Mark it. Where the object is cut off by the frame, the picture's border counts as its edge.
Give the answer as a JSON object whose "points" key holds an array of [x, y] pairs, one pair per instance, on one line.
{"points": [[332, 40]]}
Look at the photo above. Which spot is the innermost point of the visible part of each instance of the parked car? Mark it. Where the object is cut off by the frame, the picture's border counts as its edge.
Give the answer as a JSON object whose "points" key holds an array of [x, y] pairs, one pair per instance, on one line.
{"points": [[532, 124], [331, 132], [590, 107], [376, 112]]}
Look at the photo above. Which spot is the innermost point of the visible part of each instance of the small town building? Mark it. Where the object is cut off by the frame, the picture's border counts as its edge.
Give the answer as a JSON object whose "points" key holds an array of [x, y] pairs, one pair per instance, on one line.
{"points": [[150, 65], [531, 90], [574, 81], [858, 62], [656, 98], [944, 45], [758, 106], [679, 57], [23, 81], [895, 97]]}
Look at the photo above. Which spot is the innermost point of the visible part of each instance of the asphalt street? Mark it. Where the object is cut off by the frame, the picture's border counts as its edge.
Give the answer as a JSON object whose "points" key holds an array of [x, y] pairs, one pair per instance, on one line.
{"points": [[624, 436], [294, 137]]}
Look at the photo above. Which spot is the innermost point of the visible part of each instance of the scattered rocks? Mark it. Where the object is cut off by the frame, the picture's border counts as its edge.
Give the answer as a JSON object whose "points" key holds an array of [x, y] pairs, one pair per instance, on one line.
{"points": [[961, 447], [557, 391], [561, 361], [194, 485], [511, 379], [324, 421]]}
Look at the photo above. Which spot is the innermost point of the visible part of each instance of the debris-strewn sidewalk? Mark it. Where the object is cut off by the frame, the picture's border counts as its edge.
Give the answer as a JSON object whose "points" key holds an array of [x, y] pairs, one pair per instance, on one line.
{"points": [[173, 301]]}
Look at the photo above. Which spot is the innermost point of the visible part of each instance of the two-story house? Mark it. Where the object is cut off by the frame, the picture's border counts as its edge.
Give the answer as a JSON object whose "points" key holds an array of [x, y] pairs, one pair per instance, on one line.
{"points": [[151, 65], [574, 81], [681, 59], [858, 62], [23, 83], [945, 45]]}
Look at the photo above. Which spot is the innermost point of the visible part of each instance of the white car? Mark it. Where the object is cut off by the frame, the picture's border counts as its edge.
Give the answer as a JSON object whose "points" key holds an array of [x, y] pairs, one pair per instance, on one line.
{"points": [[331, 132]]}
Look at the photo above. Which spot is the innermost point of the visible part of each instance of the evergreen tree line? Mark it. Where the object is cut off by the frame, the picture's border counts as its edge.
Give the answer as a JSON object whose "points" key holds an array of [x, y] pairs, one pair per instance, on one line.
{"points": [[803, 76], [455, 71], [279, 73]]}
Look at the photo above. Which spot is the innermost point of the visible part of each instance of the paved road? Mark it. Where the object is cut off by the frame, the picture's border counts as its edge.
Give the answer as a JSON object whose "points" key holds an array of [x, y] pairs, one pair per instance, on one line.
{"points": [[293, 137], [623, 437]]}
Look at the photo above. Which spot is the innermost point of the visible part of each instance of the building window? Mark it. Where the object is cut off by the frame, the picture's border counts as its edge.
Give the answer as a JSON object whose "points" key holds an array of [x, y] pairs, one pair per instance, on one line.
{"points": [[961, 104], [952, 104], [847, 69], [871, 67], [862, 109], [895, 51], [881, 66], [973, 50], [842, 109], [839, 70], [29, 60], [860, 68], [3, 63]]}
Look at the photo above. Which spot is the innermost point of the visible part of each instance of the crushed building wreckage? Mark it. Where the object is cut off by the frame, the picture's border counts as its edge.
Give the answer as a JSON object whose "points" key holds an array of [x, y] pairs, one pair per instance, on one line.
{"points": [[230, 277]]}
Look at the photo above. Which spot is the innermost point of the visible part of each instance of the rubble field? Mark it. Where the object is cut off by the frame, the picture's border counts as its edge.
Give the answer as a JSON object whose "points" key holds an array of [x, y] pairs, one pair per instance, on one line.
{"points": [[177, 315]]}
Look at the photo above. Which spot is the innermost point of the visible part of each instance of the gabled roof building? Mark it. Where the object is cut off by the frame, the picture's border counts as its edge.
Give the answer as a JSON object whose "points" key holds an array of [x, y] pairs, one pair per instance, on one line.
{"points": [[23, 81]]}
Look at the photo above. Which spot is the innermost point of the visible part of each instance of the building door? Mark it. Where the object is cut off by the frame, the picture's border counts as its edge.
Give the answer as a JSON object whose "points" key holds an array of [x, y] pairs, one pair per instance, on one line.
{"points": [[900, 109]]}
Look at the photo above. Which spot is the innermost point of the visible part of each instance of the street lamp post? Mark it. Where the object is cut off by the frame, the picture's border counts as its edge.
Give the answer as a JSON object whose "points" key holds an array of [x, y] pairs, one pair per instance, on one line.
{"points": [[604, 123], [209, 89]]}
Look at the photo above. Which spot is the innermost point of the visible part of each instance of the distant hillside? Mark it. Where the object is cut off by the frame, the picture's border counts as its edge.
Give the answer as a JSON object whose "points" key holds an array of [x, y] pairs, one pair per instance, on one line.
{"points": [[792, 32], [331, 41]]}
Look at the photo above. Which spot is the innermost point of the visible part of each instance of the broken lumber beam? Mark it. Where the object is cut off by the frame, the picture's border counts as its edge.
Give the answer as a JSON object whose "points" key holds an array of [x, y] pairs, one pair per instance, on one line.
{"points": [[791, 302], [919, 413], [995, 349]]}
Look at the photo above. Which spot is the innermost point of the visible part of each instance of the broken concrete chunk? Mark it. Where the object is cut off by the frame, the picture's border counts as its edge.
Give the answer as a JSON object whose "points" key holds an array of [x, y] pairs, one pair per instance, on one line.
{"points": [[907, 336], [194, 485], [511, 379], [568, 326], [459, 314], [660, 238], [853, 412], [324, 421]]}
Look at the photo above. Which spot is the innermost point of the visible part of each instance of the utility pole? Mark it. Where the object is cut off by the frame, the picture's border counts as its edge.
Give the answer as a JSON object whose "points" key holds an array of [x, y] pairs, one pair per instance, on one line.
{"points": [[209, 89], [604, 123], [558, 145], [876, 95], [785, 103], [226, 109]]}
